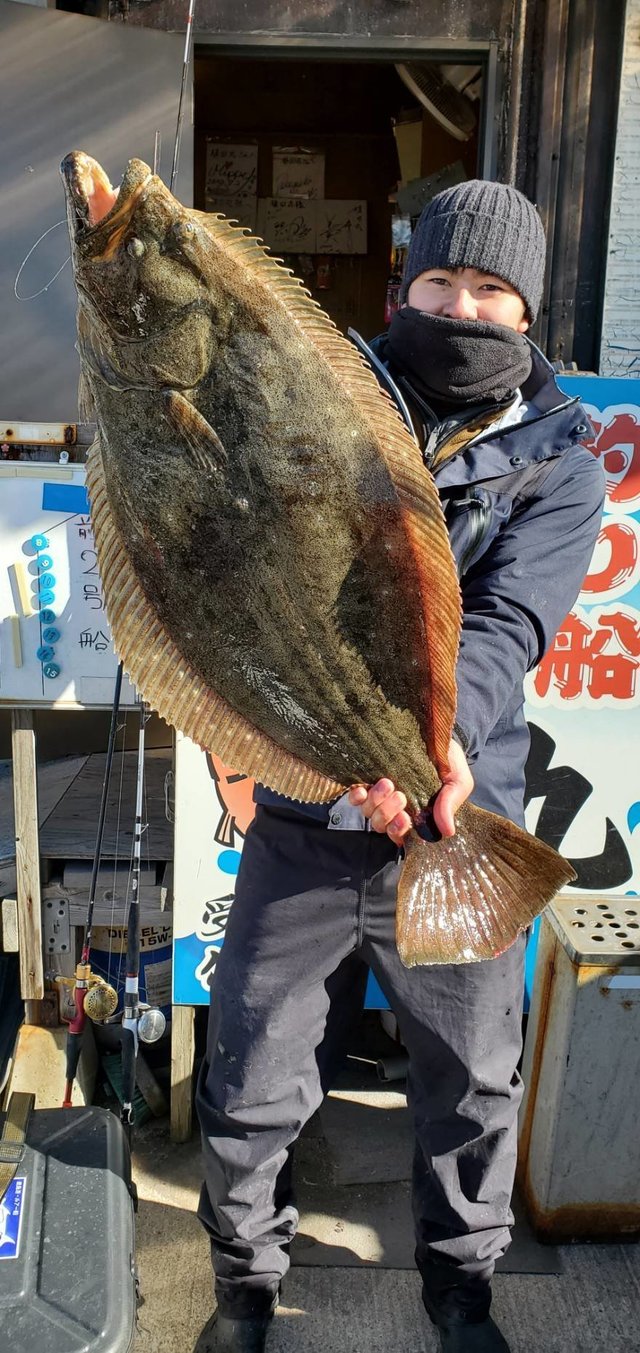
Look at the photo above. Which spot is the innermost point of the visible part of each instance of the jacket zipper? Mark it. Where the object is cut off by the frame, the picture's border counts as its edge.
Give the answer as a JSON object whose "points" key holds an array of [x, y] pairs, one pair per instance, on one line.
{"points": [[479, 527], [435, 438], [430, 446]]}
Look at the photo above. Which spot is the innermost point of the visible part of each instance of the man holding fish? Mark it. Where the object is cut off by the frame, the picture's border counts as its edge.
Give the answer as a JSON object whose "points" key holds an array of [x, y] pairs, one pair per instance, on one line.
{"points": [[316, 891], [289, 586]]}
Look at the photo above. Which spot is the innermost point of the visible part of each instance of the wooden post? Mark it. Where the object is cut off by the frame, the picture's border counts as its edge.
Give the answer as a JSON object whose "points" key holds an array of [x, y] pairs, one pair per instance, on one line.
{"points": [[182, 1059], [10, 944], [25, 799]]}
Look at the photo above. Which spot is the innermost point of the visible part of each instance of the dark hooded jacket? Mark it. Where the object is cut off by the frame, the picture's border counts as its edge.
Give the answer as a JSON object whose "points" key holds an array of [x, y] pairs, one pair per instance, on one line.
{"points": [[523, 504]]}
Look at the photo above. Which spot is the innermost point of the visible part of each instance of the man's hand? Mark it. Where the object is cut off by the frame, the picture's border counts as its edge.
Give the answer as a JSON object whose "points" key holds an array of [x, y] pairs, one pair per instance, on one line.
{"points": [[457, 785], [385, 805]]}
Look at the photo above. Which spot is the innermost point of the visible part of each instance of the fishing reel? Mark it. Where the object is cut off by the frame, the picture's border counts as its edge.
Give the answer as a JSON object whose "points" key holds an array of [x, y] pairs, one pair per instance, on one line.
{"points": [[149, 1021], [99, 1001], [151, 1024], [97, 998]]}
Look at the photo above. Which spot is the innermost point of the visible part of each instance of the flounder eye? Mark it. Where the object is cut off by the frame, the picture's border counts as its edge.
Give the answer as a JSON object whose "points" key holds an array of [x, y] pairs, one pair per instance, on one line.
{"points": [[135, 247], [181, 231]]}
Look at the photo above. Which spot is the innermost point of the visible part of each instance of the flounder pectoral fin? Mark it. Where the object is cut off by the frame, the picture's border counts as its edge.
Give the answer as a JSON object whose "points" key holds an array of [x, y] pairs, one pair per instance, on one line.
{"points": [[202, 442]]}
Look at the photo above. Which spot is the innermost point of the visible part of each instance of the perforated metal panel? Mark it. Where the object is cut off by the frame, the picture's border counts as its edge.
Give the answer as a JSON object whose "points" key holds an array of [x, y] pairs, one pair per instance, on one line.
{"points": [[598, 929]]}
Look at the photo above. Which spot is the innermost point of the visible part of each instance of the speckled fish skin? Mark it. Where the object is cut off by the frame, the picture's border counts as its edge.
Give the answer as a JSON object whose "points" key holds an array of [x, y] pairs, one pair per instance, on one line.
{"points": [[276, 566]]}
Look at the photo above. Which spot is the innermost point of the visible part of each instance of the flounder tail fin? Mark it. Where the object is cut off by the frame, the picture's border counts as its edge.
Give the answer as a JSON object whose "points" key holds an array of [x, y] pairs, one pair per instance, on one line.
{"points": [[467, 897]]}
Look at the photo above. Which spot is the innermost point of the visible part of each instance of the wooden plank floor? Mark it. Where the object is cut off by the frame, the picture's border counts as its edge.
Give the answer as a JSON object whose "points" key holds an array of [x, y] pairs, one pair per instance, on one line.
{"points": [[69, 802], [69, 832], [54, 779]]}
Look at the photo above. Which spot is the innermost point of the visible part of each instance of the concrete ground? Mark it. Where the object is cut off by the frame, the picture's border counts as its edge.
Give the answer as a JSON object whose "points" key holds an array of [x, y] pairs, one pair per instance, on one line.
{"points": [[352, 1288]]}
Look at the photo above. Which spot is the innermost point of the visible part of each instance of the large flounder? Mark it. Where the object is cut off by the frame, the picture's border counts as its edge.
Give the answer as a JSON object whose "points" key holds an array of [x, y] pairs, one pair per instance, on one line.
{"points": [[276, 567]]}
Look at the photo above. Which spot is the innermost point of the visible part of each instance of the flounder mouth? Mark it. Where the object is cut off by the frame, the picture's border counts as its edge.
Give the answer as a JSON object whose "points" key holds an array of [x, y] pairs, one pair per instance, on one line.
{"points": [[91, 199]]}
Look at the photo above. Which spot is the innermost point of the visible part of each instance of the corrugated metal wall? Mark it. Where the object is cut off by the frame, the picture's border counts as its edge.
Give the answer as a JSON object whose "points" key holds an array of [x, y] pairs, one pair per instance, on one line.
{"points": [[620, 347]]}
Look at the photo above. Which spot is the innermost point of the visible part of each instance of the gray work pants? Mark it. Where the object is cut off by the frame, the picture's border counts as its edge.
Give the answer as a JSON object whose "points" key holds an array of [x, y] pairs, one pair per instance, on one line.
{"points": [[312, 908]]}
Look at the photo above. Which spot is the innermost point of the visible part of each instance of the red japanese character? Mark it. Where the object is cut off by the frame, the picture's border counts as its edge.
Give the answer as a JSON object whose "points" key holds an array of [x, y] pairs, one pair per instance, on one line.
{"points": [[617, 444], [565, 662], [623, 560], [614, 673], [601, 660]]}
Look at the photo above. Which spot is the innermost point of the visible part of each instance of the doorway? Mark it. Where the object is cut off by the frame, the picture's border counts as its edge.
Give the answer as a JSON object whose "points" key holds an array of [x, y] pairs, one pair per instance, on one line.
{"points": [[330, 161]]}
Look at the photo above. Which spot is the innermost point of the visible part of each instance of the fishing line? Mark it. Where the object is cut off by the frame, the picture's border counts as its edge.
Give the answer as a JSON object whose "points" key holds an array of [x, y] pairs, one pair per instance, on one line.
{"points": [[131, 1016], [34, 294], [113, 731], [146, 818]]}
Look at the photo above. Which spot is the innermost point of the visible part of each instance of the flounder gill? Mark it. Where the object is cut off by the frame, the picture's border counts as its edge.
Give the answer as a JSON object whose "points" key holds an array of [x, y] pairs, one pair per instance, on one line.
{"points": [[276, 566]]}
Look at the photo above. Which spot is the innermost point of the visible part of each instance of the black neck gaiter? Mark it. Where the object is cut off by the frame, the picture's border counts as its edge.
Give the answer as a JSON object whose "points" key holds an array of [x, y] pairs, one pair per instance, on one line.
{"points": [[461, 361]]}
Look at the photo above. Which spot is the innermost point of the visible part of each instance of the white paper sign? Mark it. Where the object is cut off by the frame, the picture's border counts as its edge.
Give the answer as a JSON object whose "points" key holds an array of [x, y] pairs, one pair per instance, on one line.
{"points": [[288, 226], [232, 172], [298, 173], [341, 227]]}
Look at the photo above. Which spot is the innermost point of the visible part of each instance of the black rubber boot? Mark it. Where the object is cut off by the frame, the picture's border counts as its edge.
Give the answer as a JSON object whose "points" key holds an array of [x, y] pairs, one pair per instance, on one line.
{"points": [[221, 1335], [463, 1337]]}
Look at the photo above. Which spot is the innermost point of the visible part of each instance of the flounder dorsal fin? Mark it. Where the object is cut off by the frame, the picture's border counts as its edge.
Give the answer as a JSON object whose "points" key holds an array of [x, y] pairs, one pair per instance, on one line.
{"points": [[433, 573]]}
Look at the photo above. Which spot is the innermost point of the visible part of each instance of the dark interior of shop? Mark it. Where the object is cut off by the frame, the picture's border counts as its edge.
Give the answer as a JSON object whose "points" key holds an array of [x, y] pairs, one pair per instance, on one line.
{"points": [[374, 134]]}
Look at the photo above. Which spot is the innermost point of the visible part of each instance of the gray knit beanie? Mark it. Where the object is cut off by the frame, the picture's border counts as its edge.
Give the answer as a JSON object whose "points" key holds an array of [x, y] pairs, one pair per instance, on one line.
{"points": [[484, 225]]}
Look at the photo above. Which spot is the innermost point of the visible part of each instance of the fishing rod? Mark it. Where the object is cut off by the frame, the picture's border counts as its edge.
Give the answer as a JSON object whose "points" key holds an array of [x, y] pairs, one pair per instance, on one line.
{"points": [[139, 1020], [183, 85], [93, 996]]}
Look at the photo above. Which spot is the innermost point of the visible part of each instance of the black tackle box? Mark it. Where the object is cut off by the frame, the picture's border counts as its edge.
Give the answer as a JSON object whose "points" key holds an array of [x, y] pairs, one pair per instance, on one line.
{"points": [[67, 1269]]}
